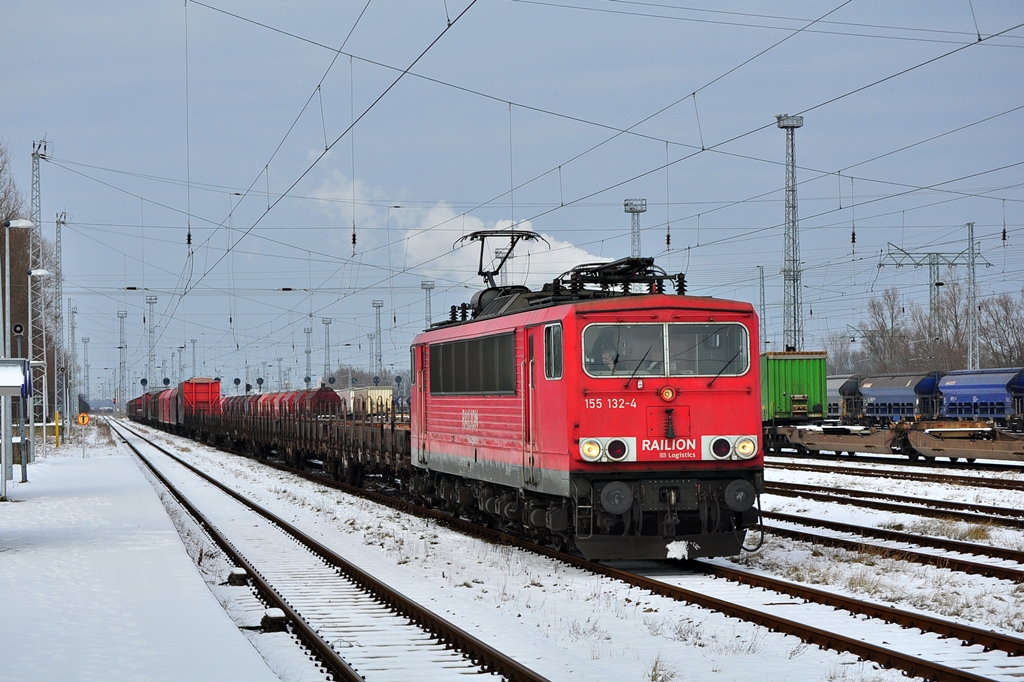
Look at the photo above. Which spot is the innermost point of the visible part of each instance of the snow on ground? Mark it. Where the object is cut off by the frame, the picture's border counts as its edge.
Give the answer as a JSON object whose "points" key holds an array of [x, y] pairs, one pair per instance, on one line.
{"points": [[96, 585], [112, 541], [988, 602], [565, 623]]}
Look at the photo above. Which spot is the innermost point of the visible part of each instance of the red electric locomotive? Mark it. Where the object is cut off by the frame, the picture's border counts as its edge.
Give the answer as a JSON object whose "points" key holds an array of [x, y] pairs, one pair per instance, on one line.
{"points": [[627, 425]]}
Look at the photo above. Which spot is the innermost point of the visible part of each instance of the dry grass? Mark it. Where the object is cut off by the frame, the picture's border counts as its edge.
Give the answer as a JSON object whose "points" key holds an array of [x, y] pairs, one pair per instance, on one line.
{"points": [[103, 434], [661, 672], [944, 528]]}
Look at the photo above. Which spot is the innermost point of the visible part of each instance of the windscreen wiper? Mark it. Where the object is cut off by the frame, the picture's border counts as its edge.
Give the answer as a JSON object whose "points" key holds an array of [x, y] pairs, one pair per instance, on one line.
{"points": [[725, 367], [638, 365]]}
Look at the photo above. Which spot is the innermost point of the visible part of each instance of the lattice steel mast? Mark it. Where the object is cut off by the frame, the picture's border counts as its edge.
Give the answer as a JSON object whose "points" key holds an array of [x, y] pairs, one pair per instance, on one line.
{"points": [[151, 358], [309, 355], [635, 207], [973, 361], [760, 312], [378, 368], [60, 349], [85, 367], [426, 285], [72, 359], [122, 370], [37, 314], [327, 347], [793, 313]]}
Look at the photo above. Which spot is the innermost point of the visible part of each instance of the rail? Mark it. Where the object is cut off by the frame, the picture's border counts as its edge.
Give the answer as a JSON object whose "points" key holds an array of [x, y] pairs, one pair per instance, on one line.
{"points": [[910, 664], [486, 656]]}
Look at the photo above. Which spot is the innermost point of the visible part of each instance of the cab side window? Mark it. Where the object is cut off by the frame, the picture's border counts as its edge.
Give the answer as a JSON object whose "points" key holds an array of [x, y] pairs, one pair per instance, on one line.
{"points": [[553, 351]]}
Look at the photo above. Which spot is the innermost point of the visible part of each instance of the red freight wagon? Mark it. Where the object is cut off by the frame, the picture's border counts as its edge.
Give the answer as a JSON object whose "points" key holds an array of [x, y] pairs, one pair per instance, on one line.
{"points": [[626, 425], [167, 401], [198, 396], [318, 402]]}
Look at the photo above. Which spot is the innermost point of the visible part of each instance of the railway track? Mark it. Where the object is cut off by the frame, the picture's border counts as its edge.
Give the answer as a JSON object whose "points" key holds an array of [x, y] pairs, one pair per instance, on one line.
{"points": [[970, 649], [902, 504], [358, 627], [945, 465], [944, 478], [906, 544]]}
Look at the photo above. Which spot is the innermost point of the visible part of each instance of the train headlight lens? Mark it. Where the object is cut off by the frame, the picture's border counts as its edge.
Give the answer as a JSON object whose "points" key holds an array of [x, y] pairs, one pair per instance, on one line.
{"points": [[721, 448], [746, 447], [617, 450], [590, 450], [667, 393]]}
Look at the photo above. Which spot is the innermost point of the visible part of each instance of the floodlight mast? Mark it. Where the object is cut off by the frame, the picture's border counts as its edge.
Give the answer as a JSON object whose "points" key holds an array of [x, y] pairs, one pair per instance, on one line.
{"points": [[793, 313], [427, 285], [635, 207], [514, 237]]}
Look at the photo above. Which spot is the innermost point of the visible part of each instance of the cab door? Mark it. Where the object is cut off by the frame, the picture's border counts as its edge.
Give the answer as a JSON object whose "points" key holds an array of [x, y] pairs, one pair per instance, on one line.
{"points": [[545, 404], [418, 414], [529, 404]]}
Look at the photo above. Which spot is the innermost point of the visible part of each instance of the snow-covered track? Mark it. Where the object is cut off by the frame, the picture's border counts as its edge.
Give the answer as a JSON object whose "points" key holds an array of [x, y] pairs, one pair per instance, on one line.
{"points": [[904, 474], [968, 512], [875, 632], [968, 635], [963, 659], [359, 627], [904, 546], [894, 459]]}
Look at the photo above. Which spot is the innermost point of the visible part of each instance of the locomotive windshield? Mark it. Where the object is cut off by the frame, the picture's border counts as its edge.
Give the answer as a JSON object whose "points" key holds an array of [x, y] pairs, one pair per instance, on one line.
{"points": [[640, 350]]}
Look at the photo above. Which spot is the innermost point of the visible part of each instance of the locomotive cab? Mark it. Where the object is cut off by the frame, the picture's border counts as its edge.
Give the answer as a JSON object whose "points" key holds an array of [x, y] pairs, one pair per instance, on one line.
{"points": [[669, 453]]}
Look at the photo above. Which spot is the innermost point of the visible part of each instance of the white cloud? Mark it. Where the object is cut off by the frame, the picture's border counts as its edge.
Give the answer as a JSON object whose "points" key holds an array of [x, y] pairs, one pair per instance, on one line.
{"points": [[431, 249]]}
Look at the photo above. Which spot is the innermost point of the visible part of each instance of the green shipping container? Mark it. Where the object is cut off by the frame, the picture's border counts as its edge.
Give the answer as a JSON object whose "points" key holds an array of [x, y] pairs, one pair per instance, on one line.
{"points": [[793, 386]]}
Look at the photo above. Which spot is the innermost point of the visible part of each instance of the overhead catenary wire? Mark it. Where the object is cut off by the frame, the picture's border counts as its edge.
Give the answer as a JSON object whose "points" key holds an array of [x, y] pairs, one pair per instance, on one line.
{"points": [[667, 202]]}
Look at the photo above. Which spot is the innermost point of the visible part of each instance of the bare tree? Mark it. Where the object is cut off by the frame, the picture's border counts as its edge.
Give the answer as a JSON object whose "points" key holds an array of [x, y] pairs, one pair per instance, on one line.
{"points": [[12, 201], [950, 349], [886, 333], [12, 206], [840, 355], [1002, 331]]}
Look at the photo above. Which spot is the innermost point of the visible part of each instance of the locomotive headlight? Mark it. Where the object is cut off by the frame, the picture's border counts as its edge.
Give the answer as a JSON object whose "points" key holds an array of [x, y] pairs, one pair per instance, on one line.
{"points": [[746, 447], [667, 393], [590, 450], [721, 448], [617, 450]]}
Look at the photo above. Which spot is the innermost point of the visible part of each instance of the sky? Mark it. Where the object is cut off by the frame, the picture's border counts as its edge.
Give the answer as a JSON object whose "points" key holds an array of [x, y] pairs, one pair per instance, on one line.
{"points": [[244, 124]]}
